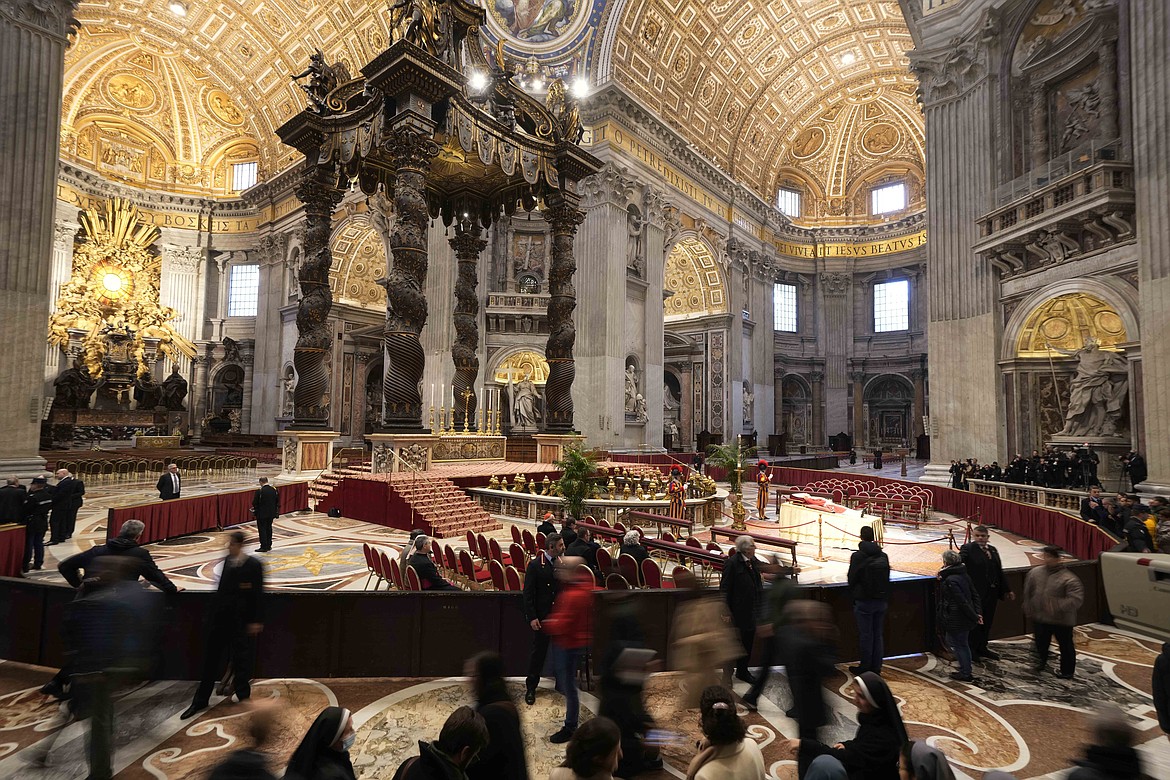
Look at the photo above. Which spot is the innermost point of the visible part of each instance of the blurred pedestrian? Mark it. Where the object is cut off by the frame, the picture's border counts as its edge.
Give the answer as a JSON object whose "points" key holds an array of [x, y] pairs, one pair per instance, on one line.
{"points": [[323, 753], [781, 592], [1052, 596], [810, 655], [593, 753], [622, 681], [540, 588], [463, 738], [503, 758], [1161, 687], [958, 611], [726, 752], [570, 629], [250, 763], [920, 761], [1112, 755], [742, 586], [873, 752], [701, 639], [265, 508], [235, 620]]}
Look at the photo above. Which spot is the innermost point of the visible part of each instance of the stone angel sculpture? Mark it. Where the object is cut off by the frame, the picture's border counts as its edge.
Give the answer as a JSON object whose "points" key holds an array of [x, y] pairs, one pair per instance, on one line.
{"points": [[322, 79], [564, 111]]}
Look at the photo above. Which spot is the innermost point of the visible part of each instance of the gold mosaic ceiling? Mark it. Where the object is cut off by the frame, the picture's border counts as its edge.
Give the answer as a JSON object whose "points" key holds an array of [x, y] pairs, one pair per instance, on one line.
{"points": [[768, 90]]}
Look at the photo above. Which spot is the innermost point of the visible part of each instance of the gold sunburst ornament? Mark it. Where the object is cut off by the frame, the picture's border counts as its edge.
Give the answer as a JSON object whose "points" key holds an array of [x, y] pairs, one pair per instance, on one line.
{"points": [[115, 284]]}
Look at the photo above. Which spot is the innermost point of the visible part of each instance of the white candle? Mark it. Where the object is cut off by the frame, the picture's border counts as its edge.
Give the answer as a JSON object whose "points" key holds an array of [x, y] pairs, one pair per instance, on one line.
{"points": [[442, 395], [432, 395], [481, 396]]}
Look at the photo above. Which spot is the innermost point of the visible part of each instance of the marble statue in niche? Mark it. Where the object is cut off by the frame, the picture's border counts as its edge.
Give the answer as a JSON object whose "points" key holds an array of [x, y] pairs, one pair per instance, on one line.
{"points": [[631, 387], [749, 403], [634, 226], [525, 404], [1097, 391]]}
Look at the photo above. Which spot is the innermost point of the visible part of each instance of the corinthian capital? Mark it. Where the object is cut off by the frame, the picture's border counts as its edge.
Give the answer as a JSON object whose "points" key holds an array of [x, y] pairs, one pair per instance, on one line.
{"points": [[611, 184], [835, 283], [950, 71], [54, 17]]}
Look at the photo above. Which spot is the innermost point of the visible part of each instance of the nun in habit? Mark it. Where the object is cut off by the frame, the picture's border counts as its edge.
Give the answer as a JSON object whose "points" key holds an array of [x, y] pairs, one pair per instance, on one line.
{"points": [[324, 752]]}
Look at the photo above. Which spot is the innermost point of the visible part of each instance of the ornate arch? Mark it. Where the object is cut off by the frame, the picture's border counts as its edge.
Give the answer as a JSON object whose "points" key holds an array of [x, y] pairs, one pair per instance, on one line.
{"points": [[881, 381], [693, 272], [359, 261], [1114, 293], [521, 357]]}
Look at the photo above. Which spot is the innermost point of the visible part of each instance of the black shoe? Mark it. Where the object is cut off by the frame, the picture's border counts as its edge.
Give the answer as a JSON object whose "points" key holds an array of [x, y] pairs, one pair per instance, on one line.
{"points": [[962, 677], [54, 689], [749, 703], [36, 568], [530, 696], [991, 655], [51, 542], [562, 736], [790, 713], [1039, 668], [1064, 676], [856, 671], [192, 711], [263, 549]]}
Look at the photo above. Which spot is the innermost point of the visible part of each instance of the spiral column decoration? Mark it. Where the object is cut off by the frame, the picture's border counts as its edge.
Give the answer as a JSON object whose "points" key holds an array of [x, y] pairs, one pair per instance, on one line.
{"points": [[564, 217], [318, 192], [468, 245], [406, 304]]}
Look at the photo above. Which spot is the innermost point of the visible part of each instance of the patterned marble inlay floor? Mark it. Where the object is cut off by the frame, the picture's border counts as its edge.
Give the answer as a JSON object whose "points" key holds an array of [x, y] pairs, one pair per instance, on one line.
{"points": [[1011, 718]]}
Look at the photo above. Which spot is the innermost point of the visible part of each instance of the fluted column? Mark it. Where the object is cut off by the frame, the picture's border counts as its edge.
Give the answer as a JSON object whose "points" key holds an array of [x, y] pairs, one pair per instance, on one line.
{"points": [[32, 49], [1150, 80], [838, 330], [314, 337], [858, 408], [564, 217], [197, 398], [468, 245], [817, 434], [1107, 88], [247, 359], [406, 305], [179, 289]]}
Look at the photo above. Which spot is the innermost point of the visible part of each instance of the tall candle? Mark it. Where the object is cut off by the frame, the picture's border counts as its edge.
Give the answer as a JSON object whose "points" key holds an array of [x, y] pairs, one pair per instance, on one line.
{"points": [[442, 395], [432, 395]]}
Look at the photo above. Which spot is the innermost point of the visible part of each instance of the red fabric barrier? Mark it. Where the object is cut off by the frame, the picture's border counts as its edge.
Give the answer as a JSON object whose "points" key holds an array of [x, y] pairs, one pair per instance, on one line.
{"points": [[11, 550], [182, 516], [372, 501], [1083, 540]]}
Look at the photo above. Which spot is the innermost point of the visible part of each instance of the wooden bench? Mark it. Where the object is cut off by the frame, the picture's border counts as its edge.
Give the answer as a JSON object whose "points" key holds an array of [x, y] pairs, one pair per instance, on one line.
{"points": [[708, 560], [605, 532], [771, 541], [659, 520], [912, 510]]}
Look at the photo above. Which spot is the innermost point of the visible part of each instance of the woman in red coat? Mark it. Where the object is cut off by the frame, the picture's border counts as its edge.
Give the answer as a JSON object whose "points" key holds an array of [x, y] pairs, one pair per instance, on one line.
{"points": [[570, 628]]}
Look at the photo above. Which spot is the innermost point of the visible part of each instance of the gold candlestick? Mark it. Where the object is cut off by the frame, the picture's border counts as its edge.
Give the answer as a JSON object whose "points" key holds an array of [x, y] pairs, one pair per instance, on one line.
{"points": [[431, 420], [497, 415], [466, 395]]}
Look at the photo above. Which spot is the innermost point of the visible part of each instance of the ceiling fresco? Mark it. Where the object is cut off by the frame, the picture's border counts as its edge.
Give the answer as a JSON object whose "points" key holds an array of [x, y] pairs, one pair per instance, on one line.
{"points": [[813, 93]]}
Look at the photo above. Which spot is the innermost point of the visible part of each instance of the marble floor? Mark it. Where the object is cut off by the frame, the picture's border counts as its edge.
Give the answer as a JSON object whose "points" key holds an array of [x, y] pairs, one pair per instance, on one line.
{"points": [[1010, 718]]}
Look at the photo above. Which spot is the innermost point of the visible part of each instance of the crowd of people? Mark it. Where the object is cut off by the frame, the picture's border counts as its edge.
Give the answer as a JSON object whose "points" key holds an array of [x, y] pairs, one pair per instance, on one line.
{"points": [[111, 624], [42, 509], [1050, 468], [1140, 527]]}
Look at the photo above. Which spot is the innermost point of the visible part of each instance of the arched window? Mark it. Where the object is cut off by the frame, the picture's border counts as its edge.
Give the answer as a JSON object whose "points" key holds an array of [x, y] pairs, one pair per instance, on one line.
{"points": [[529, 284]]}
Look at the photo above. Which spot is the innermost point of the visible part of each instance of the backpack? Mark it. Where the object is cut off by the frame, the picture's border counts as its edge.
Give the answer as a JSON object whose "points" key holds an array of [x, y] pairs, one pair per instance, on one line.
{"points": [[874, 577]]}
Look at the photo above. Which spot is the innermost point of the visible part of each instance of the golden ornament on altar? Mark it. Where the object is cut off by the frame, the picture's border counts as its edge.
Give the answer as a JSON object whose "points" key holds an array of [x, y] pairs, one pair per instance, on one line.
{"points": [[494, 483], [626, 493], [547, 483], [612, 488]]}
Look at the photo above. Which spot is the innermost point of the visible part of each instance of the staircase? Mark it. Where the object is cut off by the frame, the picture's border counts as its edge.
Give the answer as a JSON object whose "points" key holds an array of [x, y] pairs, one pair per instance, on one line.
{"points": [[328, 480], [442, 505]]}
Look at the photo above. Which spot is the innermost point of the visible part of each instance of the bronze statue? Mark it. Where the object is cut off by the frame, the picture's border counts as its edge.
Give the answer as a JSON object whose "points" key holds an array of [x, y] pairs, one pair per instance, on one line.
{"points": [[174, 391], [147, 392], [322, 80], [73, 387]]}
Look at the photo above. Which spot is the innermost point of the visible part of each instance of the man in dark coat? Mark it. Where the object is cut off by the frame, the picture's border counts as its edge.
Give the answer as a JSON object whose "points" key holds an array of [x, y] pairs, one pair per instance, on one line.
{"points": [[428, 574], [37, 504], [985, 569], [12, 497], [1135, 464], [126, 543], [743, 589], [235, 620], [170, 484], [463, 736], [869, 583], [1093, 508], [67, 499], [266, 508], [546, 526], [540, 588], [584, 547], [1161, 687]]}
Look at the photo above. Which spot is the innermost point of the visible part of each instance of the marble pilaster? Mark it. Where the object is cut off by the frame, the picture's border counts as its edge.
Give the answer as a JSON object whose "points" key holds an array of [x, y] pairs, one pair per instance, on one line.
{"points": [[33, 37], [64, 236], [835, 290]]}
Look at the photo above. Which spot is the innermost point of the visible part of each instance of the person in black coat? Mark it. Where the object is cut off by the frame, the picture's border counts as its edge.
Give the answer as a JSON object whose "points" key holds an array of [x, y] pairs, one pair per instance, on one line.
{"points": [[872, 754], [584, 547], [170, 484], [622, 701], [504, 757], [125, 544], [323, 753], [632, 546], [1093, 508], [249, 763], [1161, 687], [546, 526], [235, 620], [743, 590], [463, 738], [266, 508], [985, 569], [1136, 534], [869, 584], [958, 610], [569, 531], [1135, 464], [67, 499], [540, 589], [429, 577], [12, 497], [809, 658], [37, 503], [1112, 755]]}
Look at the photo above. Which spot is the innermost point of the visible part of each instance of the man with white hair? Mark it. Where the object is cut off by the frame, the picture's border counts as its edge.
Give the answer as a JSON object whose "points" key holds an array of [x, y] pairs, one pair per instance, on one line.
{"points": [[632, 546], [170, 483], [743, 588], [67, 499], [428, 574]]}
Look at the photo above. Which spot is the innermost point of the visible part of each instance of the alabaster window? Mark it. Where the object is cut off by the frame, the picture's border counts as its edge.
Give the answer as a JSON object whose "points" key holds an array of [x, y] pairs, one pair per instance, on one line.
{"points": [[788, 201], [785, 308], [888, 198], [243, 290], [891, 306], [243, 176]]}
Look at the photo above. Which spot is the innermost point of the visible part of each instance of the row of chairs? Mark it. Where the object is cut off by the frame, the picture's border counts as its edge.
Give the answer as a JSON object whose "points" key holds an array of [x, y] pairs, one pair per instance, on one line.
{"points": [[128, 469], [386, 569]]}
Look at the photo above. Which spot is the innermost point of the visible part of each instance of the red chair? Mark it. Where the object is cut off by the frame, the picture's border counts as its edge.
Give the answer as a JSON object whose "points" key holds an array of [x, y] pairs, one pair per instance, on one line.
{"points": [[619, 527], [496, 572], [628, 568], [616, 582], [674, 575], [467, 569], [693, 542], [450, 559], [516, 535], [472, 544], [371, 566], [584, 570], [604, 561], [603, 523], [667, 536], [529, 542], [436, 551], [497, 554], [641, 533], [517, 556], [412, 581], [390, 566], [714, 547], [512, 579], [541, 542], [485, 552], [651, 573]]}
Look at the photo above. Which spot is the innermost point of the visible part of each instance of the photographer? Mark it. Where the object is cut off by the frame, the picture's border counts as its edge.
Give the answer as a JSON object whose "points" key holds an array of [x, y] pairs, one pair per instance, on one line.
{"points": [[1133, 464]]}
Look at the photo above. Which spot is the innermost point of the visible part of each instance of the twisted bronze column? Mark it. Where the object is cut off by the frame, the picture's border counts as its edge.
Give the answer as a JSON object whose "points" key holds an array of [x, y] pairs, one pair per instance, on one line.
{"points": [[310, 405], [406, 304], [564, 217], [467, 245]]}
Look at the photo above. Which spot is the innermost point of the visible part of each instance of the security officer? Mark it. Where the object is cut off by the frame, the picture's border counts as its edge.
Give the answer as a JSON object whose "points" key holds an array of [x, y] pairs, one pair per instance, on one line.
{"points": [[37, 504]]}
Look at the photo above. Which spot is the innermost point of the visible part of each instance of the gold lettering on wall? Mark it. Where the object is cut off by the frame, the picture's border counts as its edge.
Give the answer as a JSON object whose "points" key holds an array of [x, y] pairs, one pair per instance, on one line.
{"points": [[199, 222]]}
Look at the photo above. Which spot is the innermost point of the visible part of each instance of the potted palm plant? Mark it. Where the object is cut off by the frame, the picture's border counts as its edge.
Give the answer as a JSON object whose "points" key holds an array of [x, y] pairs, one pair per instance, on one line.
{"points": [[578, 466], [730, 458]]}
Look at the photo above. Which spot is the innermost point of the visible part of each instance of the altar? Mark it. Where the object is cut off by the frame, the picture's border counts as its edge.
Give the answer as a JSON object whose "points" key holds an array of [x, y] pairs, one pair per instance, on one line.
{"points": [[829, 526]]}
